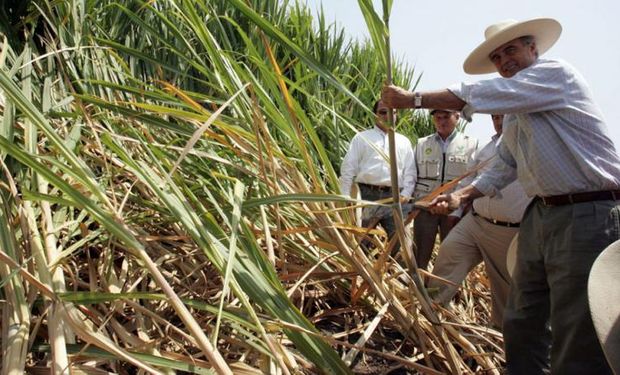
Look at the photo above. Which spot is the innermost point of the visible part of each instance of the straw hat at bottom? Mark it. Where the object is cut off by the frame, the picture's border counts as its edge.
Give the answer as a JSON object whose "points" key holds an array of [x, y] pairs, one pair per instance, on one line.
{"points": [[604, 299]]}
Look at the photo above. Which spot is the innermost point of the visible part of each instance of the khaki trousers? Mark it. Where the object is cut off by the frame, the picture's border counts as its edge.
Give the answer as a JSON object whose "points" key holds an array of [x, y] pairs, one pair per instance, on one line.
{"points": [[470, 242]]}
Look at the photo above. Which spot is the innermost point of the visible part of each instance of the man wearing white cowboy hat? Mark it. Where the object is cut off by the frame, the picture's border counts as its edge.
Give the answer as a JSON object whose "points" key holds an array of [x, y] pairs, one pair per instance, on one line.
{"points": [[556, 143]]}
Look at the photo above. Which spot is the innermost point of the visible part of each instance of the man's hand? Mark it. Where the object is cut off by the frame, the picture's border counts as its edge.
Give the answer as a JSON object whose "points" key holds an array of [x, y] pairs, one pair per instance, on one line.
{"points": [[396, 97], [444, 204]]}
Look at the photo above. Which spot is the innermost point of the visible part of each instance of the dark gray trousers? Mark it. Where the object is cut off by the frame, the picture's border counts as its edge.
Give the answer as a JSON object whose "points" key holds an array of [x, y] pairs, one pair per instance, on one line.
{"points": [[425, 228], [547, 322], [386, 221]]}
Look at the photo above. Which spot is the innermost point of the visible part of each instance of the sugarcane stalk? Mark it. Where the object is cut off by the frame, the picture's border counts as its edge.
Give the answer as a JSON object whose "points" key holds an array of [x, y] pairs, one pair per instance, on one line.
{"points": [[405, 241], [60, 360], [15, 312], [397, 212]]}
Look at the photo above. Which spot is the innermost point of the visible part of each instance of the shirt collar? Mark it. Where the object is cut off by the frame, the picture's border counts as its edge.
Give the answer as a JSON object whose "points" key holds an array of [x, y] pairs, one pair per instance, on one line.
{"points": [[449, 139], [378, 129], [497, 139]]}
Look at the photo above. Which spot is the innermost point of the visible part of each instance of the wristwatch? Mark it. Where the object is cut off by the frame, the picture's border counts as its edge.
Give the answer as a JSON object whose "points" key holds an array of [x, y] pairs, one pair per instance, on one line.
{"points": [[417, 100]]}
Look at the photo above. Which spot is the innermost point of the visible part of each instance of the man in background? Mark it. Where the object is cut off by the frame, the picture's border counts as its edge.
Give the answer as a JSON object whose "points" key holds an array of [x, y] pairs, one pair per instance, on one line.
{"points": [[367, 164], [484, 234], [440, 158]]}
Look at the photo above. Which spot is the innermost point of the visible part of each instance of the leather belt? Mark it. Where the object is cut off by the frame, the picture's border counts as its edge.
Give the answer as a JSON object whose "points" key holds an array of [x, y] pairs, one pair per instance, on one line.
{"points": [[496, 222], [590, 196], [375, 187]]}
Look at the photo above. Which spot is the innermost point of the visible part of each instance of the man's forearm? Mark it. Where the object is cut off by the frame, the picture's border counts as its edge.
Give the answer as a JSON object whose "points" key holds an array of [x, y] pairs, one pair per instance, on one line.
{"points": [[397, 97], [467, 194], [442, 99]]}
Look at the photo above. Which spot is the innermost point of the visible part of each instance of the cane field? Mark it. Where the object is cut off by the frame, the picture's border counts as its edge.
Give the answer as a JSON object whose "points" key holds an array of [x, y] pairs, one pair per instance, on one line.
{"points": [[169, 198]]}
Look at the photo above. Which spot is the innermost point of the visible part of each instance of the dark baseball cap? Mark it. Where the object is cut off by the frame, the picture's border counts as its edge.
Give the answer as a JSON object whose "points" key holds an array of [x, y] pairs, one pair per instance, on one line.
{"points": [[442, 110]]}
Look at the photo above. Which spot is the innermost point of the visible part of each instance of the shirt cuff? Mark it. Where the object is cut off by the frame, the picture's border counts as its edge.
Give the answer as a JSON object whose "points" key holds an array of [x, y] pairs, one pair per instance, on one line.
{"points": [[462, 91], [406, 193], [485, 187], [458, 212], [468, 112]]}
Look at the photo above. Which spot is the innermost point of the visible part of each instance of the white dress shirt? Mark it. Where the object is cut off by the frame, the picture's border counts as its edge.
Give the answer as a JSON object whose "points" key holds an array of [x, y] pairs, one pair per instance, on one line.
{"points": [[509, 205], [367, 162], [555, 139]]}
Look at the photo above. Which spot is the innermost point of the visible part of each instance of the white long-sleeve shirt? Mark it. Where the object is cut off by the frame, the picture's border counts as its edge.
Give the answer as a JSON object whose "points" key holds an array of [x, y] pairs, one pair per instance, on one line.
{"points": [[511, 203], [555, 139], [367, 162]]}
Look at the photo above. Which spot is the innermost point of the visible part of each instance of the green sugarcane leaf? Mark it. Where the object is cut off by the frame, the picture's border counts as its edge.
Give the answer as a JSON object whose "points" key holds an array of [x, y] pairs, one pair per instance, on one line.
{"points": [[273, 32], [248, 269], [296, 198], [376, 26]]}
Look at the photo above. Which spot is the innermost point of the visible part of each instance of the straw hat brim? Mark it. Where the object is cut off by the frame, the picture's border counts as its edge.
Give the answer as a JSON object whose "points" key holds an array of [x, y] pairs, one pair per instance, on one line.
{"points": [[604, 300], [546, 32]]}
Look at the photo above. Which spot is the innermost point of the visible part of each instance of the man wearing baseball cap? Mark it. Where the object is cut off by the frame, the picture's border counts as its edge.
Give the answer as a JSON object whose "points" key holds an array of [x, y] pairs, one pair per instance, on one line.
{"points": [[439, 158], [557, 145]]}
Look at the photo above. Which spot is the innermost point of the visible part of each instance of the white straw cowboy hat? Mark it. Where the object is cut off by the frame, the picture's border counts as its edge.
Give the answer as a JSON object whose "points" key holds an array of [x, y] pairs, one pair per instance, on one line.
{"points": [[545, 31], [604, 299]]}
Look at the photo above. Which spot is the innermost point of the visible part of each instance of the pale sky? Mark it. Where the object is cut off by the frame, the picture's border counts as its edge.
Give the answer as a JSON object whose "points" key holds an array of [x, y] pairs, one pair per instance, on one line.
{"points": [[436, 36]]}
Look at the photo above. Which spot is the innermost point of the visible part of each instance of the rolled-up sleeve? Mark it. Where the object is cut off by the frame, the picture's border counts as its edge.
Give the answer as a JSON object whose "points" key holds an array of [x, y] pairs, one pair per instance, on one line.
{"points": [[530, 90], [502, 172]]}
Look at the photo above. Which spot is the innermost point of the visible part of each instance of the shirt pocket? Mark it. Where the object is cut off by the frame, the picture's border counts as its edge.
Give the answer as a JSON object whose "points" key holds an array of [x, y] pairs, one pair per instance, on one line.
{"points": [[456, 165], [423, 189], [430, 169]]}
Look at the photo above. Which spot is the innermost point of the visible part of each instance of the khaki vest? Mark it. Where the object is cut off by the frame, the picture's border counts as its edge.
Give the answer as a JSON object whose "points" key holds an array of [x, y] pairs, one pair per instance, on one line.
{"points": [[435, 168]]}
